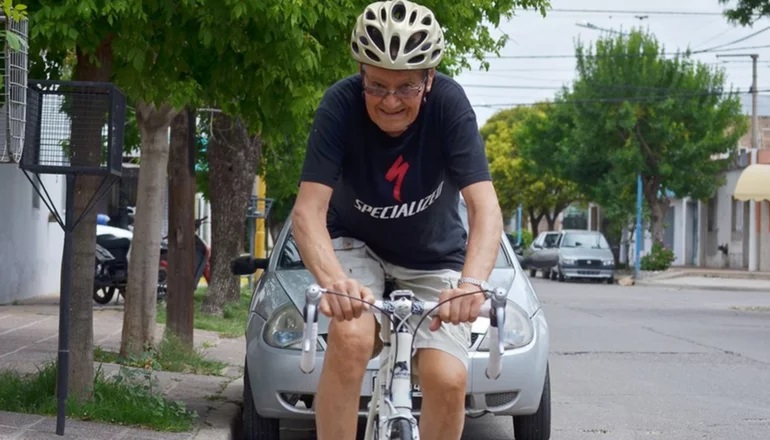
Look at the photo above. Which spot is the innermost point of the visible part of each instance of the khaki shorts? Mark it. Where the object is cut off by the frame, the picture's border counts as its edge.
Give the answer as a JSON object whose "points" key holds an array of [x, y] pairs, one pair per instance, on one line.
{"points": [[367, 268]]}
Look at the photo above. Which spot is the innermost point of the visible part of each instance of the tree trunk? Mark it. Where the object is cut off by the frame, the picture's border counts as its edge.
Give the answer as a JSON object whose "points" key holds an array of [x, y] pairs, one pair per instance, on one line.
{"points": [[181, 233], [551, 219], [233, 161], [86, 150], [534, 220], [658, 219], [141, 292]]}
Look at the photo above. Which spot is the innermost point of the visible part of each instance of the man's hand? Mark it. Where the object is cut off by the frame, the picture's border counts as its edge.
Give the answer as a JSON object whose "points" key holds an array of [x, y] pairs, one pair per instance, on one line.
{"points": [[343, 308], [463, 309]]}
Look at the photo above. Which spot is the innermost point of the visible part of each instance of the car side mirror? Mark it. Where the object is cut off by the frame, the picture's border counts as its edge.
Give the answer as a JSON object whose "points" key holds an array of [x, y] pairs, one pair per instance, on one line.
{"points": [[537, 246], [247, 265]]}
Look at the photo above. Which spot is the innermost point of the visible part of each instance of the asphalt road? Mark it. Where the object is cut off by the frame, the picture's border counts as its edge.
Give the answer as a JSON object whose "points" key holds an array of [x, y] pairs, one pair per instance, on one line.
{"points": [[650, 363]]}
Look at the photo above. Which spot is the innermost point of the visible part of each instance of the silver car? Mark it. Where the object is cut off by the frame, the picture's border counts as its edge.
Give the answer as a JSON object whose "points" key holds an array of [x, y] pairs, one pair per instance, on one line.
{"points": [[275, 388], [584, 254]]}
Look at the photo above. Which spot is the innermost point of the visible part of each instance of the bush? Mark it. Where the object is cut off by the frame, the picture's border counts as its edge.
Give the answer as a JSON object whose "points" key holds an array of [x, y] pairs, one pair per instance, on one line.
{"points": [[526, 238], [659, 258]]}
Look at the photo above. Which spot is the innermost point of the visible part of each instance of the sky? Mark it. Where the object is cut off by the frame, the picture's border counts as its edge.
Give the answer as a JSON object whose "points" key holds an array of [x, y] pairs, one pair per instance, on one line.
{"points": [[679, 25]]}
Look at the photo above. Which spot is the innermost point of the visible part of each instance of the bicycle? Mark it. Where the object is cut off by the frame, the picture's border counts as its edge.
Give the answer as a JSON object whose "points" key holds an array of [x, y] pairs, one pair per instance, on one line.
{"points": [[390, 410]]}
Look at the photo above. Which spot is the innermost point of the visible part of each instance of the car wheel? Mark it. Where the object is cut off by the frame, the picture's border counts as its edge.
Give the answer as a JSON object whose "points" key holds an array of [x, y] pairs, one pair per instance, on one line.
{"points": [[561, 276], [533, 273], [538, 425], [611, 280], [256, 427], [547, 273]]}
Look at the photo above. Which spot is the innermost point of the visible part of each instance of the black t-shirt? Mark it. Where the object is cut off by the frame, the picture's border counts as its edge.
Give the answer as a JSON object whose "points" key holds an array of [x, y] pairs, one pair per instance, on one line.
{"points": [[400, 195]]}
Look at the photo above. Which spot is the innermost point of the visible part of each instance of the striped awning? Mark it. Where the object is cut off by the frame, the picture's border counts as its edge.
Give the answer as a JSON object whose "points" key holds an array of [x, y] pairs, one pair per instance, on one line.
{"points": [[753, 183]]}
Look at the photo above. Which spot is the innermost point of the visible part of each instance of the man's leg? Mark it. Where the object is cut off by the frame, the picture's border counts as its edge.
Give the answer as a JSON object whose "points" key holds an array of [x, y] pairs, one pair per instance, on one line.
{"points": [[442, 381], [349, 348], [348, 351], [442, 357]]}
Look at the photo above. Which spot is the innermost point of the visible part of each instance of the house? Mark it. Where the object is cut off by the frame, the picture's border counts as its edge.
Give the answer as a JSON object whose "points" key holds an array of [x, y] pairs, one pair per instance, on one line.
{"points": [[716, 233]]}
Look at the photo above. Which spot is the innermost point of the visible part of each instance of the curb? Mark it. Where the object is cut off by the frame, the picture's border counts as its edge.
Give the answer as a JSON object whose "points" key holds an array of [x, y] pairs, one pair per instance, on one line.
{"points": [[716, 287]]}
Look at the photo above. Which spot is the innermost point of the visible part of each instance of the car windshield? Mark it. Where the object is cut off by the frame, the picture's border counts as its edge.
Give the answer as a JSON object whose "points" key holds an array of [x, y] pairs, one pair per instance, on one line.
{"points": [[289, 257], [584, 240]]}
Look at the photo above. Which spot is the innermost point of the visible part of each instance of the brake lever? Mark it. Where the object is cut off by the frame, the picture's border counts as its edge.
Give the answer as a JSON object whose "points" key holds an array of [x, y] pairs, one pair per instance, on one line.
{"points": [[497, 301], [310, 332]]}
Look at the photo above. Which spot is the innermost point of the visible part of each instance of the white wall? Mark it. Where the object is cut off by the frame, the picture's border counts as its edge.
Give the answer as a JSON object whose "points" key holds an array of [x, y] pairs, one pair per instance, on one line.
{"points": [[30, 245]]}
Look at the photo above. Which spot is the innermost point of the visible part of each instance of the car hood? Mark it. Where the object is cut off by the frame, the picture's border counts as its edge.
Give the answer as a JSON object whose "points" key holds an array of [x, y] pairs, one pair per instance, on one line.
{"points": [[294, 283], [586, 253]]}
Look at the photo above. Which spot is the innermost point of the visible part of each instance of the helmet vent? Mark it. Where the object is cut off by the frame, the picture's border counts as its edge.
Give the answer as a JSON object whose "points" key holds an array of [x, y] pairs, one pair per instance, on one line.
{"points": [[372, 55], [398, 12], [415, 40], [375, 36], [395, 44], [417, 59]]}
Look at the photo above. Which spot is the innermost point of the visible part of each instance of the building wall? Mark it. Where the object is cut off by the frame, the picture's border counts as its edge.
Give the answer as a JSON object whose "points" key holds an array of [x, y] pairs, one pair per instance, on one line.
{"points": [[30, 242]]}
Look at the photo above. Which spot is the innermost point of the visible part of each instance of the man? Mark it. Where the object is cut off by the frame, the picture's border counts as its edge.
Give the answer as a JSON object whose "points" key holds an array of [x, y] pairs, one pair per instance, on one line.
{"points": [[390, 152]]}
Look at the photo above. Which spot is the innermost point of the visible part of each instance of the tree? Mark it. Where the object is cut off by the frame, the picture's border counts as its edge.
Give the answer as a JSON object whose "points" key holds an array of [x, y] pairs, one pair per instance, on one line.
{"points": [[746, 12], [638, 111], [180, 303], [517, 178]]}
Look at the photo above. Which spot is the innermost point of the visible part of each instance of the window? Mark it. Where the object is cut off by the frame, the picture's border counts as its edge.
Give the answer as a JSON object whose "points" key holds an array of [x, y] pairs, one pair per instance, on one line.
{"points": [[738, 207], [584, 240], [711, 219]]}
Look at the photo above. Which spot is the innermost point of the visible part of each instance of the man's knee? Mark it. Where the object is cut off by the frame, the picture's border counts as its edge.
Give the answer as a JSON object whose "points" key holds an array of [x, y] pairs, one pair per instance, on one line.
{"points": [[442, 375], [351, 342]]}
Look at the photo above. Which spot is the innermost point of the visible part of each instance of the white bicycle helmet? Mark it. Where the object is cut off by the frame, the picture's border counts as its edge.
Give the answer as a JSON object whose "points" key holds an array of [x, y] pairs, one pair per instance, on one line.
{"points": [[397, 35]]}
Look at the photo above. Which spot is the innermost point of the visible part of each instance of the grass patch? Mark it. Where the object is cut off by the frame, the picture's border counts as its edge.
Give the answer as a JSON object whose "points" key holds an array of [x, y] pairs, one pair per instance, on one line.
{"points": [[231, 325], [169, 355], [130, 398]]}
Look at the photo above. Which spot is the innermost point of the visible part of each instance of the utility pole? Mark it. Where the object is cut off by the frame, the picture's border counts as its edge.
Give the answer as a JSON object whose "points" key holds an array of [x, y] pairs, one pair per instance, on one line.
{"points": [[753, 226]]}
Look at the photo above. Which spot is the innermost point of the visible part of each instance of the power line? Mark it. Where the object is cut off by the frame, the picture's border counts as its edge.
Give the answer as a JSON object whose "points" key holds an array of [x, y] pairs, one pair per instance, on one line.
{"points": [[632, 12], [751, 35]]}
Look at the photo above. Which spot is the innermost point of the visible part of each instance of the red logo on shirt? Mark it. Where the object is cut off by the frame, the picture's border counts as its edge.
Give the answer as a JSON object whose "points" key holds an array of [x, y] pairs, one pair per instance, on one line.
{"points": [[396, 173]]}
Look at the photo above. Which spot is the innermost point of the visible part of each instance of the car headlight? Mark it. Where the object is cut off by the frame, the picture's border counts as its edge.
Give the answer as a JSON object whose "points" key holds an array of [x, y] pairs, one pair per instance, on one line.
{"points": [[518, 331], [284, 328], [609, 262], [567, 261]]}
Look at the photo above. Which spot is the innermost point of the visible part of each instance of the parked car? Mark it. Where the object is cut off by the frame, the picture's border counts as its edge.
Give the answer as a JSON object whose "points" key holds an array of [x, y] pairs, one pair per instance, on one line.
{"points": [[584, 254], [275, 388], [542, 253]]}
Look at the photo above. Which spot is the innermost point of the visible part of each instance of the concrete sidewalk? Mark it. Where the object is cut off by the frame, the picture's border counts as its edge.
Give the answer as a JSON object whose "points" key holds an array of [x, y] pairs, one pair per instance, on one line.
{"points": [[29, 339], [707, 279]]}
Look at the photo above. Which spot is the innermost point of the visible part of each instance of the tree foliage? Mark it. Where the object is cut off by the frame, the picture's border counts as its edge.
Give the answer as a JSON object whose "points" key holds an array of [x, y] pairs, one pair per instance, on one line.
{"points": [[746, 12], [508, 135], [637, 111]]}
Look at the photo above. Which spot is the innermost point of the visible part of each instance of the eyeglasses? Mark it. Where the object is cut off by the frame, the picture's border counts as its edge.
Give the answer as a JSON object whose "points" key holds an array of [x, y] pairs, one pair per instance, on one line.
{"points": [[404, 92]]}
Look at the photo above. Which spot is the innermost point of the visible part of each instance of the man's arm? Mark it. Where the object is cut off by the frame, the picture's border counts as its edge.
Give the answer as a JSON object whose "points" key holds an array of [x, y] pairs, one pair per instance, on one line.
{"points": [[485, 226], [309, 228]]}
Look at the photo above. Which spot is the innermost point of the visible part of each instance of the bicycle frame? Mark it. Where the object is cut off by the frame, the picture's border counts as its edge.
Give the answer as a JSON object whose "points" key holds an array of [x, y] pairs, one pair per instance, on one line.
{"points": [[391, 401]]}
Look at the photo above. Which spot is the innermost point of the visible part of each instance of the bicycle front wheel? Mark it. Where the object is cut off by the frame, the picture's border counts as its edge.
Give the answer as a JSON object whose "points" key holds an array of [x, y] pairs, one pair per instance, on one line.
{"points": [[401, 430]]}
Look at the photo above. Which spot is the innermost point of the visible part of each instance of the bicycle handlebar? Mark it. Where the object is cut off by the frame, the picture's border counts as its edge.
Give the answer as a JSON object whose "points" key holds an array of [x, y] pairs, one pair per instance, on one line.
{"points": [[493, 308]]}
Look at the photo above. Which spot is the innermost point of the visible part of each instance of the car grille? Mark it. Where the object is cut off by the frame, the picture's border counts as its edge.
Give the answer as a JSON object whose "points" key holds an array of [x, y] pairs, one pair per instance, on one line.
{"points": [[590, 263]]}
